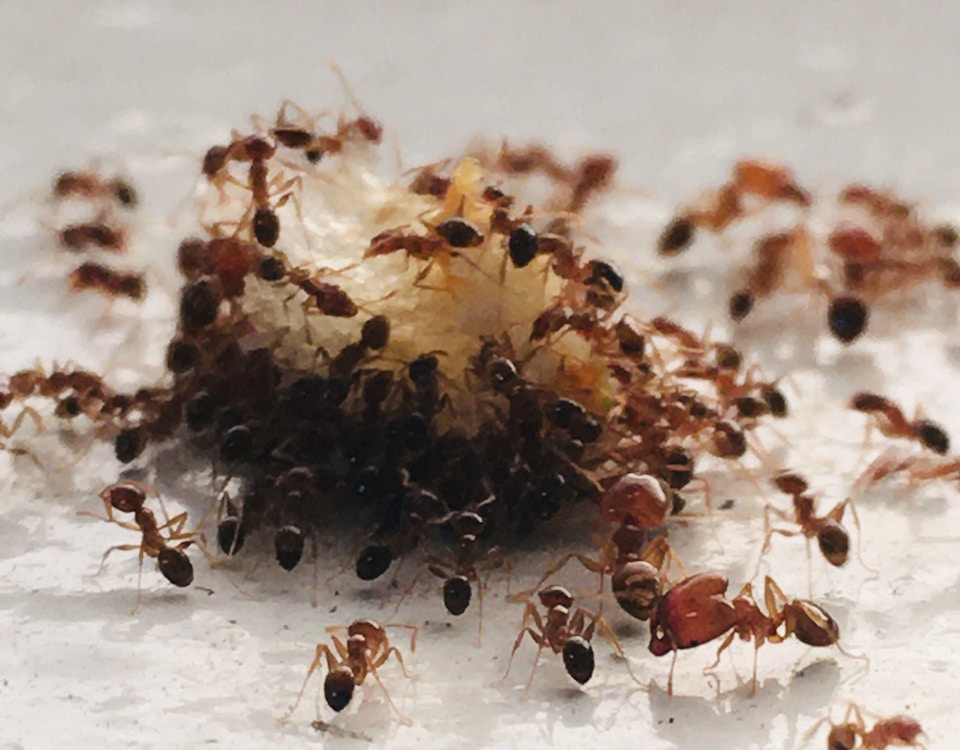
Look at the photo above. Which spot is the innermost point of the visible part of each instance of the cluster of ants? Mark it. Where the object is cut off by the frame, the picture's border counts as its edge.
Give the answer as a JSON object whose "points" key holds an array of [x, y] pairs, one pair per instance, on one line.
{"points": [[101, 204], [878, 245], [570, 408]]}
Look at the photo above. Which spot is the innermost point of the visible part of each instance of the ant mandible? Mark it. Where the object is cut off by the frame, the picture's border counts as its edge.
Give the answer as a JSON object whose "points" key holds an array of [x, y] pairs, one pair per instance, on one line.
{"points": [[900, 731], [130, 497], [564, 631], [367, 648]]}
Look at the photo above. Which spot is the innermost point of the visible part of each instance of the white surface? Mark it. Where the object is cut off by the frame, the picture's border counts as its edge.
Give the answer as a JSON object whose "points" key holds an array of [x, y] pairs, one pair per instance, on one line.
{"points": [[678, 91]]}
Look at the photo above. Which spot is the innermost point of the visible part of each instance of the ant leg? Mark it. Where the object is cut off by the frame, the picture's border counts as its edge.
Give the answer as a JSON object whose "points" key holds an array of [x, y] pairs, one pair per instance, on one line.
{"points": [[136, 605], [376, 675], [723, 647], [536, 663], [124, 547], [322, 650], [607, 632], [414, 630], [808, 735], [529, 612], [480, 612], [594, 566], [405, 594], [395, 652], [673, 665]]}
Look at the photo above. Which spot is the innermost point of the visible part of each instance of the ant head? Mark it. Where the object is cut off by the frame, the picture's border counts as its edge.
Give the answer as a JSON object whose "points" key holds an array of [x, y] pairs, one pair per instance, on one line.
{"points": [[457, 593], [842, 737], [288, 545], [791, 484], [729, 440], [556, 596], [847, 318], [214, 160], [373, 562], [338, 687], [503, 375], [230, 536], [811, 624], [578, 658], [636, 587], [468, 523], [175, 566], [834, 542], [125, 497], [640, 497]]}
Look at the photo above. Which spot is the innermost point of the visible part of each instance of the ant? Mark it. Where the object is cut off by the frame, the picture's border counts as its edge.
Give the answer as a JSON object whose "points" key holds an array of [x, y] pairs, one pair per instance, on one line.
{"points": [[459, 570], [367, 648], [892, 422], [899, 730], [80, 237], [565, 631], [635, 565], [130, 497], [695, 611], [330, 299], [918, 468], [99, 278], [90, 185], [831, 536]]}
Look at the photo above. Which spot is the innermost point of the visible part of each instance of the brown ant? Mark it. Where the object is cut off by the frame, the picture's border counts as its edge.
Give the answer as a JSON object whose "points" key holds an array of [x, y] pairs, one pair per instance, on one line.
{"points": [[695, 611], [130, 497], [636, 567], [367, 648], [918, 469], [565, 631], [892, 422], [831, 536], [99, 278], [900, 731], [81, 237], [91, 186], [459, 570]]}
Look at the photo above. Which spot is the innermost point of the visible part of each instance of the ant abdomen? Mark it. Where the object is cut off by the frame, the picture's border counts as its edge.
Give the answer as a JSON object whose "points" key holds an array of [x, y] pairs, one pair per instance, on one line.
{"points": [[373, 562], [834, 542], [175, 566], [338, 687], [578, 658], [457, 593], [288, 545]]}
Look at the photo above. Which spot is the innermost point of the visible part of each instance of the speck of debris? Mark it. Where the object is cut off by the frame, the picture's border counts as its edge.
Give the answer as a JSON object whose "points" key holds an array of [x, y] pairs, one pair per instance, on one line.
{"points": [[232, 622], [333, 609], [670, 721], [727, 504]]}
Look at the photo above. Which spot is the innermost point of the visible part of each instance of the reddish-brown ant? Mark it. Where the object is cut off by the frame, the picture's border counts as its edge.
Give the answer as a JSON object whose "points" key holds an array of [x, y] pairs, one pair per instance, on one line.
{"points": [[99, 278], [130, 497], [81, 237], [831, 536], [367, 648], [899, 731], [892, 422], [565, 631], [695, 612], [91, 186]]}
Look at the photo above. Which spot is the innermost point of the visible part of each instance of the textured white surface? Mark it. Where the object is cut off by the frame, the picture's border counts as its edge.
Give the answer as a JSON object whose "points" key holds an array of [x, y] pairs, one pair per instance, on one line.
{"points": [[679, 91]]}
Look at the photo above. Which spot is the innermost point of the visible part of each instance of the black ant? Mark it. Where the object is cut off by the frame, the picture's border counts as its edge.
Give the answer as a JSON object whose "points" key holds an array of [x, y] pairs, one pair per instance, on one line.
{"points": [[348, 664], [130, 497]]}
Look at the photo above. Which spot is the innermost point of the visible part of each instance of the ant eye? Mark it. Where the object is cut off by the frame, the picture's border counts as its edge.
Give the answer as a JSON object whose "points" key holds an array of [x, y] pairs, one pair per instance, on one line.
{"points": [[847, 318], [457, 594], [175, 566], [578, 659], [338, 688], [373, 562]]}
